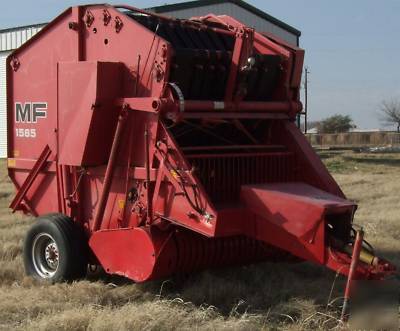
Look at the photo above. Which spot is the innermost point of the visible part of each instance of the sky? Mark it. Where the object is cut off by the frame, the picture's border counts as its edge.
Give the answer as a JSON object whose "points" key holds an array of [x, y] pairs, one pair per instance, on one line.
{"points": [[352, 48]]}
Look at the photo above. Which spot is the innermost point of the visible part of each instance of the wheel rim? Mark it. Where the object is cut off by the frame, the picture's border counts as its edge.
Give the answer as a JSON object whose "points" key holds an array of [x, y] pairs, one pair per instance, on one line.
{"points": [[45, 255]]}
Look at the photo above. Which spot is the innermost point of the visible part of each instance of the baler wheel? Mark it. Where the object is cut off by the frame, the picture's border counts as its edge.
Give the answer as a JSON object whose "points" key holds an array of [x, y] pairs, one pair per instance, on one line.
{"points": [[55, 249]]}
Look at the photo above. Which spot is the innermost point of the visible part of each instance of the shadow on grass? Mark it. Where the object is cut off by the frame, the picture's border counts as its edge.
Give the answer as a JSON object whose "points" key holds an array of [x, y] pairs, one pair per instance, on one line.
{"points": [[292, 289], [262, 288]]}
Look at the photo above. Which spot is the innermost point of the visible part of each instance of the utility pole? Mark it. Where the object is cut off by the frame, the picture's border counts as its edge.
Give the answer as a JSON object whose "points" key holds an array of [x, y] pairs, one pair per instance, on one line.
{"points": [[306, 99]]}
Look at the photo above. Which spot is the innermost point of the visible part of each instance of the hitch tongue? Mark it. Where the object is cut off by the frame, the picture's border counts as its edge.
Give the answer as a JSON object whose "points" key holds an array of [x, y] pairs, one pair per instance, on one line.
{"points": [[353, 267]]}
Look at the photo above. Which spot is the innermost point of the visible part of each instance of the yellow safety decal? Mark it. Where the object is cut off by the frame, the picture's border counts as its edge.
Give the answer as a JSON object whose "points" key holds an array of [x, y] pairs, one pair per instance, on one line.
{"points": [[174, 174], [11, 163], [121, 204]]}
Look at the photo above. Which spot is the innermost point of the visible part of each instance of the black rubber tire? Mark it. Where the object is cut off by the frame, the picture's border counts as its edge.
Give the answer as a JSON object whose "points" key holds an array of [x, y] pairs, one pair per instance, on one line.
{"points": [[71, 246]]}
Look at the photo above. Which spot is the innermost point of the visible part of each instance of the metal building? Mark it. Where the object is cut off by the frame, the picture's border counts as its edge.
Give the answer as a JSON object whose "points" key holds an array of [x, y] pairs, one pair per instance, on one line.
{"points": [[239, 9], [11, 39]]}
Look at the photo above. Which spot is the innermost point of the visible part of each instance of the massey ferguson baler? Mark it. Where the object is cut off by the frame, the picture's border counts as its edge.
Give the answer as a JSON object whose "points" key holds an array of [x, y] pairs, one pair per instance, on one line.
{"points": [[154, 146]]}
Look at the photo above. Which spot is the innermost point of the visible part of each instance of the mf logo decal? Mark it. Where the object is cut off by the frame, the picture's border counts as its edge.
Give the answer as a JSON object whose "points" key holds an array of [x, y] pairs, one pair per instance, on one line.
{"points": [[30, 112]]}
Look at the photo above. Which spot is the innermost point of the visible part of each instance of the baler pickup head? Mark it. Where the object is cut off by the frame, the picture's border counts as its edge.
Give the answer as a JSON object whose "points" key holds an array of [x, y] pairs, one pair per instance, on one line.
{"points": [[311, 224]]}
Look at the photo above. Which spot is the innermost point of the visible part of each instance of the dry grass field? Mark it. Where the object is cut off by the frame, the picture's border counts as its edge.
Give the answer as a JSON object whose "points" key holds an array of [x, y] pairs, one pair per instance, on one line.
{"points": [[266, 296]]}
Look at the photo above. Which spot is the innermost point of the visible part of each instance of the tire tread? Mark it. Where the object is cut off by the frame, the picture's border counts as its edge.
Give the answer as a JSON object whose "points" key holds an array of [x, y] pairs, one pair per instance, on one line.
{"points": [[76, 245]]}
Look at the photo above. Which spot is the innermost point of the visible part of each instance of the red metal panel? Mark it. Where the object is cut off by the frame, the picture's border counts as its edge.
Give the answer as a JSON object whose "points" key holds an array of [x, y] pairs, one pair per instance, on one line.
{"points": [[35, 81], [83, 115], [130, 252], [313, 171], [291, 216], [296, 207], [40, 163]]}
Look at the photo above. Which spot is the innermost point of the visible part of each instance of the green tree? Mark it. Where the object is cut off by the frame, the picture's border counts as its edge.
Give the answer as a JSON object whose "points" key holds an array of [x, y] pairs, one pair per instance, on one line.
{"points": [[336, 124]]}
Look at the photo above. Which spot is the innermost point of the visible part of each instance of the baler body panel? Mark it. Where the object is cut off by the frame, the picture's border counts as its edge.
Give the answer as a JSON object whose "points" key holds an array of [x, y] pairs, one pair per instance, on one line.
{"points": [[172, 143], [86, 85]]}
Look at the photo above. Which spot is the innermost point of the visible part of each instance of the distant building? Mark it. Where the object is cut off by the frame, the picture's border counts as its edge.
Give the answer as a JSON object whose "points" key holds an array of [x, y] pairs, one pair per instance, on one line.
{"points": [[367, 130], [11, 39], [312, 130]]}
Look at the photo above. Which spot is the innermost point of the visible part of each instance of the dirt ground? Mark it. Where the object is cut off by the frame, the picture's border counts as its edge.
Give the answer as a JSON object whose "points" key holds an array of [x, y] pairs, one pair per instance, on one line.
{"points": [[266, 296]]}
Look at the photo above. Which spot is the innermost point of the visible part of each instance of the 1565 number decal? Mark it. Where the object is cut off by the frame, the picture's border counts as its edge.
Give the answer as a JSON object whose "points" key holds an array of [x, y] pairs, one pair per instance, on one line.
{"points": [[25, 133]]}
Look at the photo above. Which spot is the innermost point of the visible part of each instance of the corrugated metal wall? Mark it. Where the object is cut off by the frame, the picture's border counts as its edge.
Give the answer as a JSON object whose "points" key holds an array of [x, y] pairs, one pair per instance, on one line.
{"points": [[3, 105], [12, 39], [240, 14]]}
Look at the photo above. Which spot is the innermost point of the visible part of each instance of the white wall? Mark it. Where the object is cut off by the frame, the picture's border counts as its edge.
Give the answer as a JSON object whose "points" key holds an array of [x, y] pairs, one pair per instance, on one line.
{"points": [[12, 39], [3, 105]]}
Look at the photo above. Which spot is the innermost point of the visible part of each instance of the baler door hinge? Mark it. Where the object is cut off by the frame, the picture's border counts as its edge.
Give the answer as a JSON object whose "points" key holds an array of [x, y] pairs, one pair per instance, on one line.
{"points": [[39, 164]]}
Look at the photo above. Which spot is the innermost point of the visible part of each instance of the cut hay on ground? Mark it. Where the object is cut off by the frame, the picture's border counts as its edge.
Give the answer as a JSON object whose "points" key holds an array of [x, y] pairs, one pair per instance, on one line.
{"points": [[266, 296]]}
